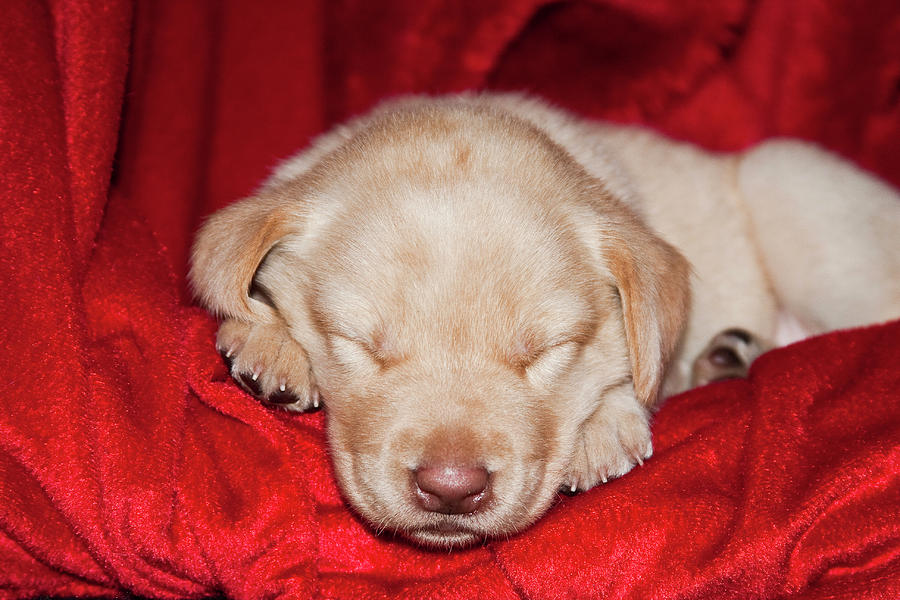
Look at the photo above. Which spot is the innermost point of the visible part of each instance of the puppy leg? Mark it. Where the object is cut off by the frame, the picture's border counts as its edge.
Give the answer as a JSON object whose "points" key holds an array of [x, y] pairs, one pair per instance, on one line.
{"points": [[728, 355], [266, 361], [614, 439], [827, 232]]}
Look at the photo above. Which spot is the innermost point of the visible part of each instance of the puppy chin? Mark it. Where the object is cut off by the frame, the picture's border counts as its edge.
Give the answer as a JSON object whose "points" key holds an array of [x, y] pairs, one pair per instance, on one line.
{"points": [[440, 539], [435, 531], [448, 532]]}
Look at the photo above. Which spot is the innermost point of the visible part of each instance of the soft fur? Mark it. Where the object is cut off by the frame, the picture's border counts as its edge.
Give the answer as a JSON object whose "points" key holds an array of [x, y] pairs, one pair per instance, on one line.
{"points": [[483, 280]]}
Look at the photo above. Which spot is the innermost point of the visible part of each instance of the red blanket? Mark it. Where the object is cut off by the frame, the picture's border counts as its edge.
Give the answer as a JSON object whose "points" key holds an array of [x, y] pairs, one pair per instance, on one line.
{"points": [[130, 462]]}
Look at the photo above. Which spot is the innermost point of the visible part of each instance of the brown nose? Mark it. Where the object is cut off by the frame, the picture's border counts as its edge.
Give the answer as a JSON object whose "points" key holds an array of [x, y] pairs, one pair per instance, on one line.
{"points": [[451, 488]]}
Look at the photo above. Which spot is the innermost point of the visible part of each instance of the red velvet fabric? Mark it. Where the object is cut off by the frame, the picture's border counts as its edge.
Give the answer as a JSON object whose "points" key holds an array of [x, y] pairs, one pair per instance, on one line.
{"points": [[130, 462]]}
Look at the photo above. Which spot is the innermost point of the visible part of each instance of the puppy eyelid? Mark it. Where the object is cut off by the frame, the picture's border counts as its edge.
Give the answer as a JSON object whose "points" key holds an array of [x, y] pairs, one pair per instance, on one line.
{"points": [[552, 361], [353, 339], [371, 349], [524, 362], [553, 346]]}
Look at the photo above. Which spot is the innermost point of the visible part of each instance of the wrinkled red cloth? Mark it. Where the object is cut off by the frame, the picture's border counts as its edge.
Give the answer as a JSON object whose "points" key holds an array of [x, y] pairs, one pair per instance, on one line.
{"points": [[129, 462]]}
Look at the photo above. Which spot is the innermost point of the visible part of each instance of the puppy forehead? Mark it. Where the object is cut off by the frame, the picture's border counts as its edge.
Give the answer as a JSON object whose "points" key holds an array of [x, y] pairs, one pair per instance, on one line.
{"points": [[434, 256], [448, 212]]}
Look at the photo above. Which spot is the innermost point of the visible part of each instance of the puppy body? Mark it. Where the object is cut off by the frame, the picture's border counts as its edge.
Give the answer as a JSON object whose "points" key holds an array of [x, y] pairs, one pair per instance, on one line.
{"points": [[490, 294]]}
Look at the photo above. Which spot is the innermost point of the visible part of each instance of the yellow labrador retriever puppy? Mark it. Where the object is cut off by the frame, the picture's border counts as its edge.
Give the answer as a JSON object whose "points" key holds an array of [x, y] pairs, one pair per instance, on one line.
{"points": [[491, 295]]}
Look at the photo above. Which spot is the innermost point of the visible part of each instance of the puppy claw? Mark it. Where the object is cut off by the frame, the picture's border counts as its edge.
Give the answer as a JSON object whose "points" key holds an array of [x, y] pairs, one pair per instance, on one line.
{"points": [[250, 384], [568, 489], [226, 358]]}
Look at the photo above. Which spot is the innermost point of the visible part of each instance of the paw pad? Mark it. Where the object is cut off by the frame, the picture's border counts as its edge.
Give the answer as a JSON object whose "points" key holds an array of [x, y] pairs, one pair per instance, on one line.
{"points": [[727, 356]]}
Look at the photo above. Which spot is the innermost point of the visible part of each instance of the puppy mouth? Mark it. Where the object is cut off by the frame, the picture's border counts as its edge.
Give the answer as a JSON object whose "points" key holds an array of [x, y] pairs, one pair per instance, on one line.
{"points": [[445, 532], [445, 535]]}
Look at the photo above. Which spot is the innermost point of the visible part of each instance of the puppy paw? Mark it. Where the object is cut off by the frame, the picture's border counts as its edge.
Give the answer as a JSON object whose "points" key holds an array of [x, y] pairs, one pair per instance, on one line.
{"points": [[727, 356], [267, 362], [615, 439]]}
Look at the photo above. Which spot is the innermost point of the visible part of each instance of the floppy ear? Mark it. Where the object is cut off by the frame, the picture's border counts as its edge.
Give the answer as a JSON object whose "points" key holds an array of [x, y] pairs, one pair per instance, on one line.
{"points": [[653, 280], [230, 247]]}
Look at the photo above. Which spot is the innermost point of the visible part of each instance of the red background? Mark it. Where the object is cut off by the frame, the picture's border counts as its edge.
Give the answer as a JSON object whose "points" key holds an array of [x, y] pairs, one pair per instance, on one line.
{"points": [[129, 461]]}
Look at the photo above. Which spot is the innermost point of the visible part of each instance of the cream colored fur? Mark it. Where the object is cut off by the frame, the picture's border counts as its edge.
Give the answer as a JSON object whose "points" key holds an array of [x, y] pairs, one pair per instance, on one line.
{"points": [[487, 280]]}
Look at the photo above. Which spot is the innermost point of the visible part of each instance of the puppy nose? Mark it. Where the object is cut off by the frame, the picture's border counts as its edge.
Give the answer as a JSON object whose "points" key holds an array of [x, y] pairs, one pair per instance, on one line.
{"points": [[451, 488]]}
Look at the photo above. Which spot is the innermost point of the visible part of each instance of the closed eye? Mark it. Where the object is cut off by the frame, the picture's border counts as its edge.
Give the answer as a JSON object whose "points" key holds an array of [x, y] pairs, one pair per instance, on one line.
{"points": [[358, 349], [350, 351], [551, 362]]}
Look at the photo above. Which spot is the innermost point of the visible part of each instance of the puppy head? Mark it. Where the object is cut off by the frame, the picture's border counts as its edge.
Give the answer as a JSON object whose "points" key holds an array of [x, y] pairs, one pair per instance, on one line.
{"points": [[466, 295]]}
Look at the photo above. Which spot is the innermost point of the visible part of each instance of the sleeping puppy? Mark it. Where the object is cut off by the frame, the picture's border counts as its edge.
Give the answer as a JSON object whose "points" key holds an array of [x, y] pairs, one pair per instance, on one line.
{"points": [[491, 295]]}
